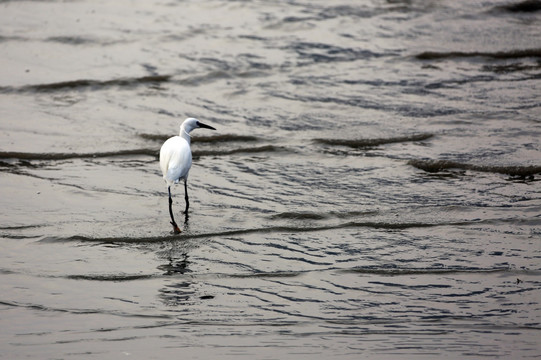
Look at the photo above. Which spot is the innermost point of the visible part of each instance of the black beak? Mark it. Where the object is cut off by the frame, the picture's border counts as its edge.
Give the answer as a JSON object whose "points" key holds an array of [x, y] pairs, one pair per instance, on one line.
{"points": [[205, 126]]}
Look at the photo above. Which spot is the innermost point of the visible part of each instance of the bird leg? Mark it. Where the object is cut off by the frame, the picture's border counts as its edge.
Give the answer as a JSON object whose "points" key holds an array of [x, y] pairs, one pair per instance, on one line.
{"points": [[175, 226], [186, 198]]}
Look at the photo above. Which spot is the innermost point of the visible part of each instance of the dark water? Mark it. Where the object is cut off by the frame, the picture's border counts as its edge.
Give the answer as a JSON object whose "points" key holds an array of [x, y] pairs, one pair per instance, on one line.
{"points": [[372, 190]]}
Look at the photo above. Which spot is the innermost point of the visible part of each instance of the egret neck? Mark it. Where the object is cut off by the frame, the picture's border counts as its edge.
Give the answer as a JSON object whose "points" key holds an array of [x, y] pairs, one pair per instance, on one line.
{"points": [[185, 135]]}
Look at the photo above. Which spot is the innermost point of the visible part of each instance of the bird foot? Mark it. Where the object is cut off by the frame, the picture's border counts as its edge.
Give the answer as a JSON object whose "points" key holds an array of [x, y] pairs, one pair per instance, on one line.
{"points": [[175, 228]]}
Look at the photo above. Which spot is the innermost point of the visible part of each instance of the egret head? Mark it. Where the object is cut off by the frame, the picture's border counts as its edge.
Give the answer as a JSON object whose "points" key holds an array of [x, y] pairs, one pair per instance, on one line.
{"points": [[191, 123]]}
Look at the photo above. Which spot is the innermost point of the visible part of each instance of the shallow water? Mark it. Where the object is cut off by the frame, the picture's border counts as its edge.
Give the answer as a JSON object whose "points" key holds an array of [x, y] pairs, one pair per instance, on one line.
{"points": [[372, 189]]}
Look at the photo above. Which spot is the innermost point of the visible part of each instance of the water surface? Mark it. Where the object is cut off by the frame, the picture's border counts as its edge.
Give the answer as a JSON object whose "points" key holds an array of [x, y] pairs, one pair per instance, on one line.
{"points": [[372, 189]]}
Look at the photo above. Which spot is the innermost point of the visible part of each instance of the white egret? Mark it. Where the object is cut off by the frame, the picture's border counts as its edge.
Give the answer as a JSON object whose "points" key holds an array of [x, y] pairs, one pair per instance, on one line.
{"points": [[176, 160]]}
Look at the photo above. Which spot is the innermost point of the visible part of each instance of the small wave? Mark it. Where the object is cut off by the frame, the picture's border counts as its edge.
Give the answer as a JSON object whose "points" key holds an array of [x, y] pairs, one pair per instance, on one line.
{"points": [[19, 237], [204, 139], [110, 277], [397, 271], [500, 55], [225, 138], [264, 230], [293, 215], [259, 149], [49, 309], [21, 227], [336, 11], [264, 274], [212, 76], [12, 38], [526, 6], [24, 156], [324, 53], [300, 216], [509, 68], [434, 166], [71, 40], [365, 103], [84, 84], [63, 156], [363, 143]]}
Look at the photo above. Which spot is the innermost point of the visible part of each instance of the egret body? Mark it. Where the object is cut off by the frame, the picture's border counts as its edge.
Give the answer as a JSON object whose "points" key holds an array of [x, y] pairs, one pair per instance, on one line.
{"points": [[176, 161]]}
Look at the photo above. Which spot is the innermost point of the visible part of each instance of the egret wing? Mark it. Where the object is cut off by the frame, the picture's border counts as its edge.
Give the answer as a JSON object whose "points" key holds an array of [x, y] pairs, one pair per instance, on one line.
{"points": [[175, 159]]}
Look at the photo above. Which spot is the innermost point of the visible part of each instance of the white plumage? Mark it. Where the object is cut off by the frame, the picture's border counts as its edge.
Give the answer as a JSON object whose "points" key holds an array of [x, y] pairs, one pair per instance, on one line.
{"points": [[176, 161]]}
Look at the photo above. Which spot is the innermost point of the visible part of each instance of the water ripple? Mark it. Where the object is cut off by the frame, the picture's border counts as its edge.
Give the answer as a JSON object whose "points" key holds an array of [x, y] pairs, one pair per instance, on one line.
{"points": [[434, 166]]}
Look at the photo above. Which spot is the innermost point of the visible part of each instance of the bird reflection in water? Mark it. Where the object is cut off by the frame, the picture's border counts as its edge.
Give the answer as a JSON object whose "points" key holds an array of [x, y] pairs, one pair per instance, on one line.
{"points": [[176, 265], [177, 292], [184, 292]]}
